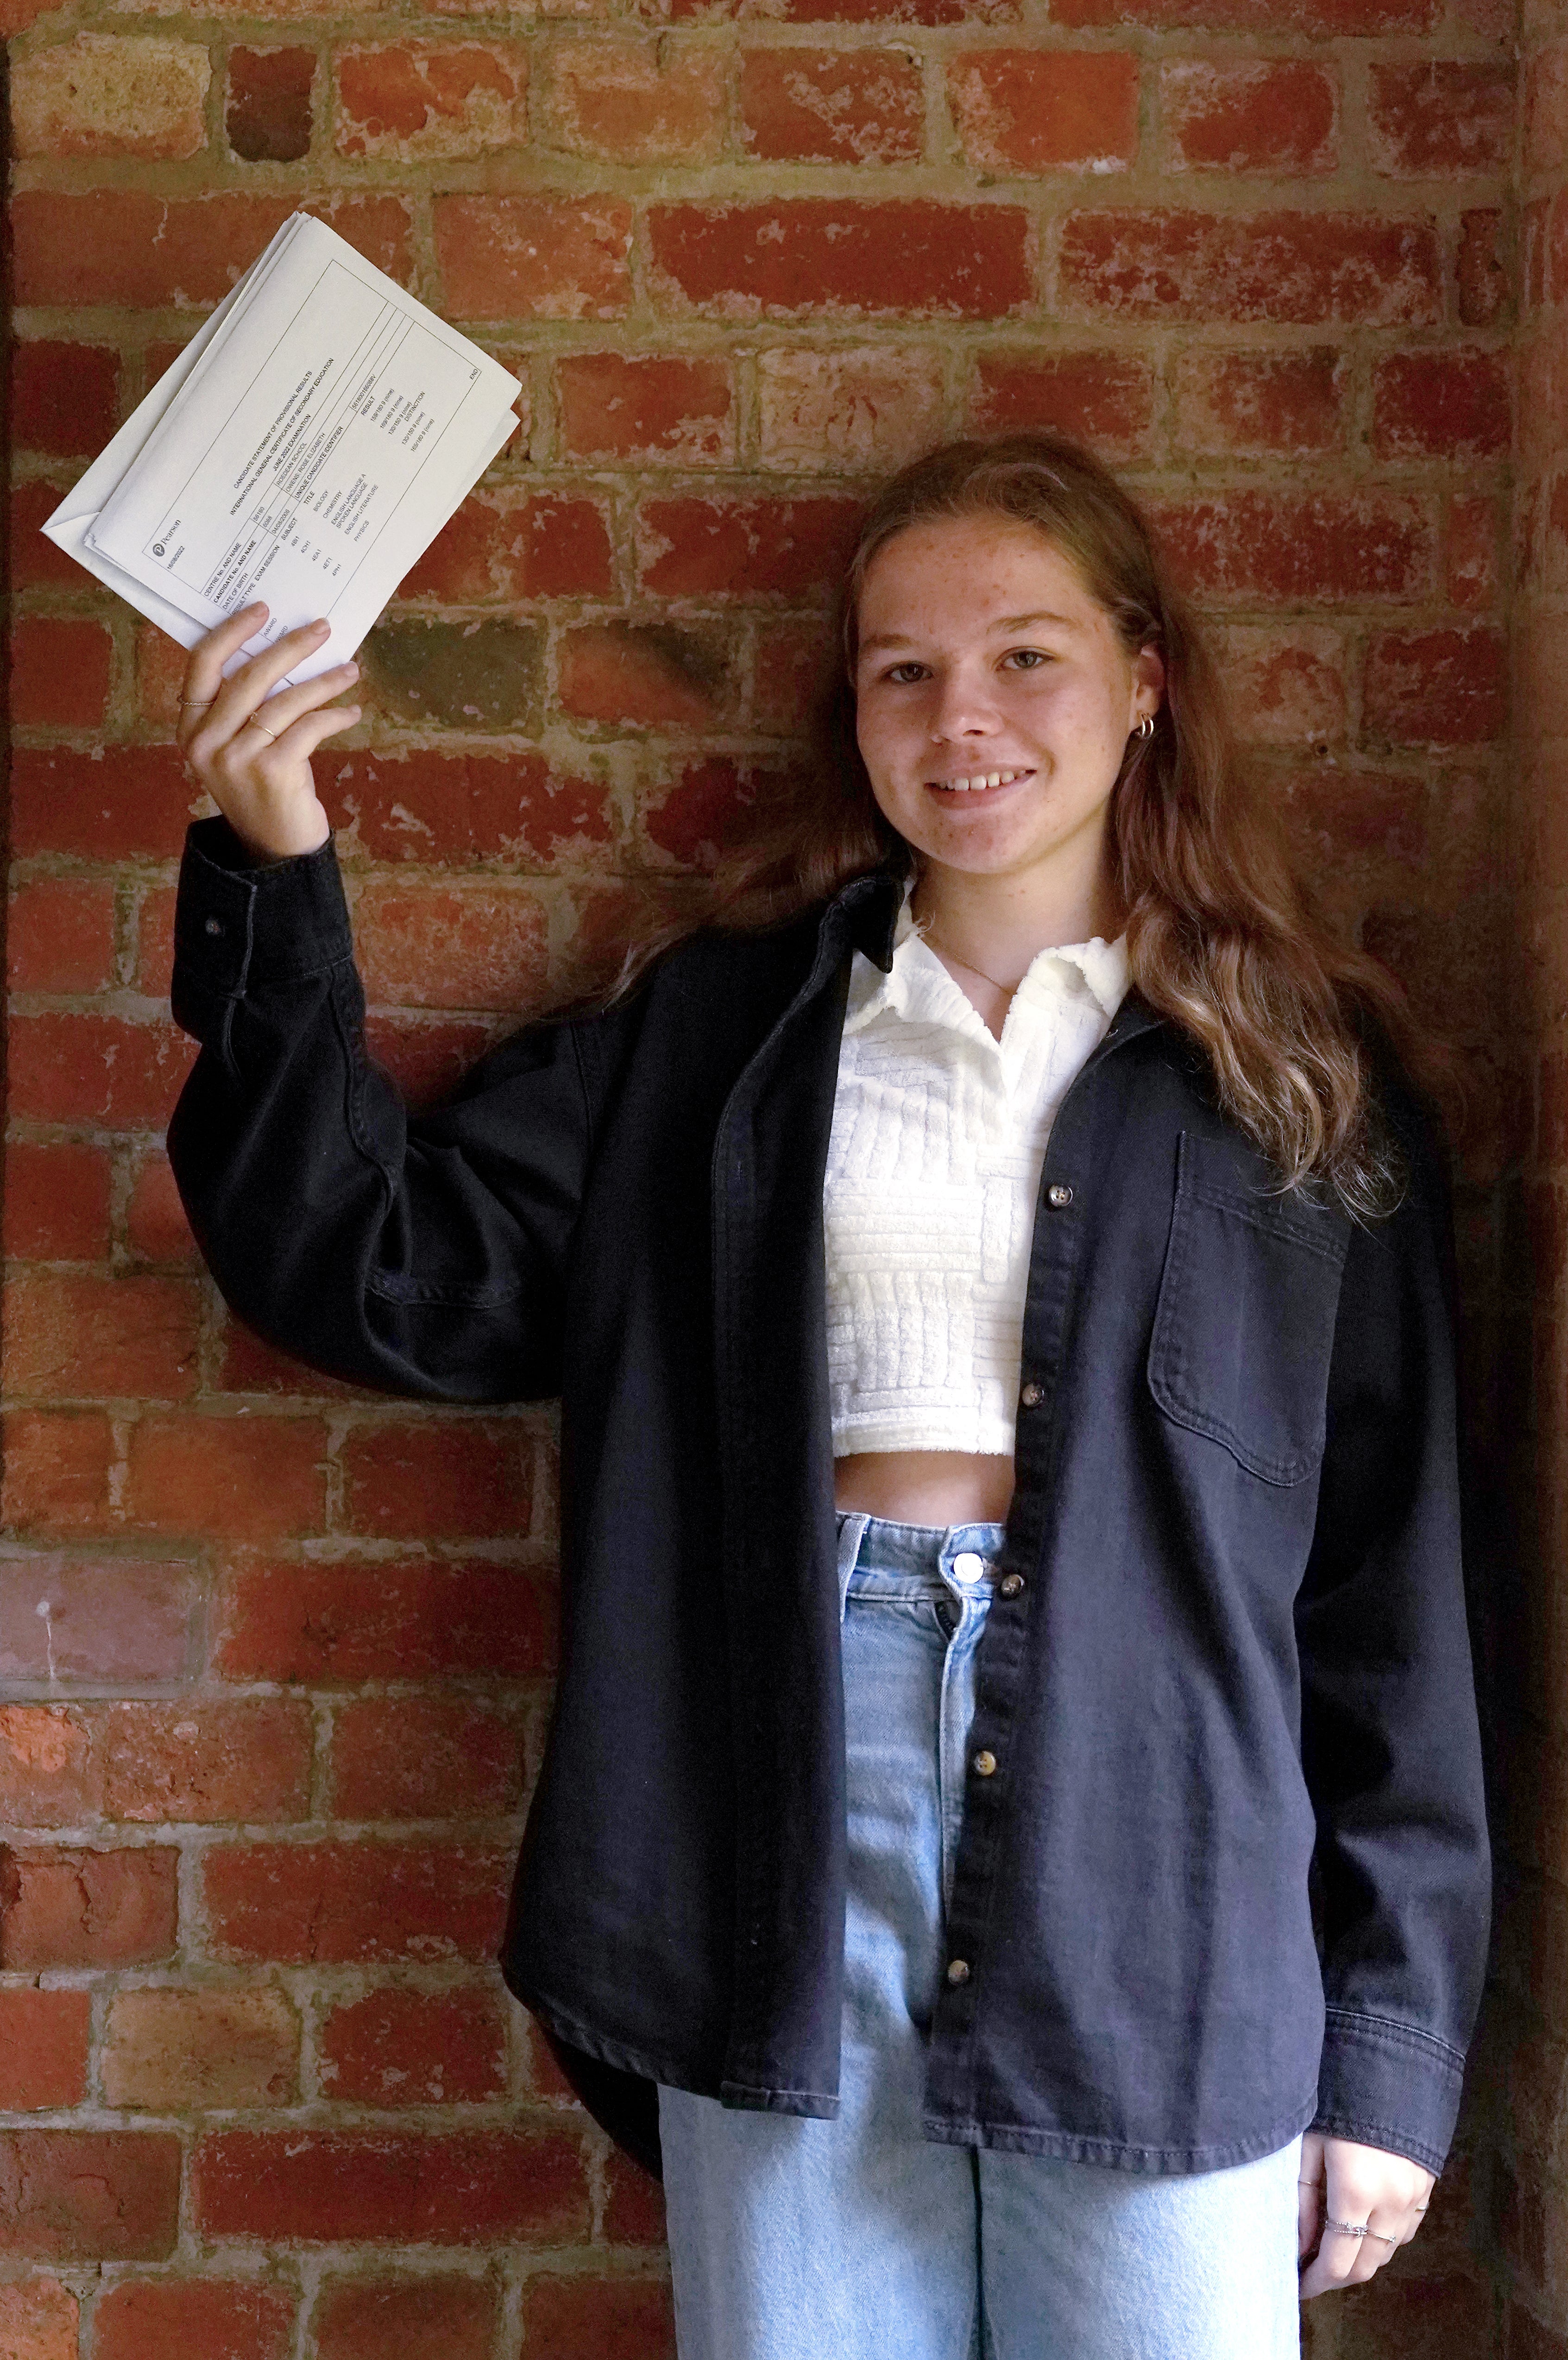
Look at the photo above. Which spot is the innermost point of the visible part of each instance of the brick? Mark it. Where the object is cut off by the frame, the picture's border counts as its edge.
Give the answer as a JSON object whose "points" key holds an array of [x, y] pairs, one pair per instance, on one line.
{"points": [[75, 1334], [99, 1069], [161, 665], [1272, 545], [65, 398], [86, 2196], [1284, 686], [37, 563], [765, 548], [268, 112], [332, 1904], [1045, 110], [500, 546], [47, 1775], [789, 665], [1482, 266], [239, 1477], [702, 810], [128, 248], [1546, 112], [38, 2321], [57, 1469], [414, 101], [250, 1365], [327, 1625], [62, 672], [57, 1201], [862, 412], [427, 1057], [1473, 572], [65, 1618], [520, 257], [1107, 399], [425, 1758], [115, 803], [832, 106], [408, 805], [463, 2187], [1225, 116], [156, 1226], [1442, 405], [421, 2319], [1436, 687], [43, 2055], [1439, 118], [426, 947], [154, 969], [646, 406], [172, 2050], [647, 675], [246, 1760], [1260, 404], [1301, 20], [448, 1477], [616, 2319], [632, 102], [71, 1909], [469, 676], [396, 2047], [111, 94], [1296, 269], [826, 255], [633, 2203], [148, 2319], [61, 936]]}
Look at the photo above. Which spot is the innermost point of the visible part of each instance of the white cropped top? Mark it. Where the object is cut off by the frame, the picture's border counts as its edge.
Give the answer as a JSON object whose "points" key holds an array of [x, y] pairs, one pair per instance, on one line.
{"points": [[939, 1135]]}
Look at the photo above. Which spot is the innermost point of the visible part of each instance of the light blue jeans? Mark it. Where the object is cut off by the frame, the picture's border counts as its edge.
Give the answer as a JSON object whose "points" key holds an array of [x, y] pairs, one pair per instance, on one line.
{"points": [[860, 2239]]}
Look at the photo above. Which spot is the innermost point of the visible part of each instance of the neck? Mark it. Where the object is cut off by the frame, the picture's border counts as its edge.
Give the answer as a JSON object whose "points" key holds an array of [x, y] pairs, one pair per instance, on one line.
{"points": [[1001, 924]]}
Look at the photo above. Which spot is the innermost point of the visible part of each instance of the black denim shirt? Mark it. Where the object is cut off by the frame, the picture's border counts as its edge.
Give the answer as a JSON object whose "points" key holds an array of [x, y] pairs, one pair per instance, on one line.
{"points": [[1228, 1638]]}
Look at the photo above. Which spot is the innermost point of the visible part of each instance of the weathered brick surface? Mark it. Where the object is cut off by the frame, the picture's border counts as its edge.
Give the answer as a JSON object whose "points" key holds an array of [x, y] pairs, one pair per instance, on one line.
{"points": [[276, 1657]]}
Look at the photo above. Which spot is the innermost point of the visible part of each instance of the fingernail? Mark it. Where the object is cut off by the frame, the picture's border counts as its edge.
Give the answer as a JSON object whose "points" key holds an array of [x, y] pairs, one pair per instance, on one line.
{"points": [[351, 670]]}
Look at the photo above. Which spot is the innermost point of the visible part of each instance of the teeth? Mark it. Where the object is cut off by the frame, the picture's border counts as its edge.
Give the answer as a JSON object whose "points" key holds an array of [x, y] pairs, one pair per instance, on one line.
{"points": [[974, 785]]}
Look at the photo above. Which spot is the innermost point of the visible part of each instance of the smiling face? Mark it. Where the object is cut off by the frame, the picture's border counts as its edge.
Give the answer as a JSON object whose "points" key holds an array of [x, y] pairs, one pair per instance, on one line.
{"points": [[993, 701]]}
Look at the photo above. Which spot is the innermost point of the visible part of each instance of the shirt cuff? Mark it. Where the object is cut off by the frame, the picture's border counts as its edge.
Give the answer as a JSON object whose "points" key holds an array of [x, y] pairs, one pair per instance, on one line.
{"points": [[1389, 2085], [237, 926]]}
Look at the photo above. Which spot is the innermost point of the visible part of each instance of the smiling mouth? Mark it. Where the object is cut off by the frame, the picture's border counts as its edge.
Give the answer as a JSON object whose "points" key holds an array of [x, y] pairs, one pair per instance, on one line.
{"points": [[980, 784]]}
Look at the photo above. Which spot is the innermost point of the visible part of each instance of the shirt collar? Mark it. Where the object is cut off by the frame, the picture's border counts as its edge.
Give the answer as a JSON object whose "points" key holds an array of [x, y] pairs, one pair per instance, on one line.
{"points": [[918, 986]]}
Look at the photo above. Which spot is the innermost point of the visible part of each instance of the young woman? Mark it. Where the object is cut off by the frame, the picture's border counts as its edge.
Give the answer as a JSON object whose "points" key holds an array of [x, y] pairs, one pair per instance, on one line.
{"points": [[997, 1277]]}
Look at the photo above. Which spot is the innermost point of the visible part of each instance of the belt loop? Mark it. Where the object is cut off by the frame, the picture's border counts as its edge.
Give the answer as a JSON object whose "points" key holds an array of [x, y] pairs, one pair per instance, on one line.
{"points": [[851, 1532]]}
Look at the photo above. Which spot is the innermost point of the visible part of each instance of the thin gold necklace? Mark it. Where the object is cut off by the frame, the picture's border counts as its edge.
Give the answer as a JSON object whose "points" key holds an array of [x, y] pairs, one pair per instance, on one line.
{"points": [[937, 944]]}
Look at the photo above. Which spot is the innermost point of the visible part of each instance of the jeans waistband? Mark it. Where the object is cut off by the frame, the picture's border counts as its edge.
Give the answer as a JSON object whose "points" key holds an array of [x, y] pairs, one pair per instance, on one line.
{"points": [[879, 1559]]}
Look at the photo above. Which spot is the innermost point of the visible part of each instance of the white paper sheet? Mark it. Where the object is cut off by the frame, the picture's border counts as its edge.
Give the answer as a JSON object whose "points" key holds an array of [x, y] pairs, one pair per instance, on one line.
{"points": [[306, 448]]}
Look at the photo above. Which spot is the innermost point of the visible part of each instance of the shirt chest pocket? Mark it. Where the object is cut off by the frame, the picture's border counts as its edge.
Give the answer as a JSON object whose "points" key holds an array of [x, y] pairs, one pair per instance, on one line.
{"points": [[1244, 1324]]}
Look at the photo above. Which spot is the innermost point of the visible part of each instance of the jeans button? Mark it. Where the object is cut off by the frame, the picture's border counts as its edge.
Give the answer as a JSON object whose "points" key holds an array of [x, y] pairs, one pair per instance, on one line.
{"points": [[967, 1567]]}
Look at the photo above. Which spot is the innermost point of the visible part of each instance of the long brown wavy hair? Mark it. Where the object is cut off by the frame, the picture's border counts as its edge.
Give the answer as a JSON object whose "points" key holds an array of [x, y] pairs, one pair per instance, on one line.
{"points": [[1222, 938]]}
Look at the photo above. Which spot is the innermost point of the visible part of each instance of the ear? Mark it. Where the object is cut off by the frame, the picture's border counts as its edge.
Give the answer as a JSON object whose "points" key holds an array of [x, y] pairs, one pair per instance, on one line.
{"points": [[1149, 675]]}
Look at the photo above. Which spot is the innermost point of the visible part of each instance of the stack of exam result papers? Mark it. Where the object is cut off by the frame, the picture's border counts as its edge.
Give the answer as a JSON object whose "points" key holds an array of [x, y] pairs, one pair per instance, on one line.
{"points": [[306, 448]]}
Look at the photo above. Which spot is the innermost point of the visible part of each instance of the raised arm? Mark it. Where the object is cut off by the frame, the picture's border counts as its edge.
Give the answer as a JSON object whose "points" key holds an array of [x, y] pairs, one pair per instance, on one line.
{"points": [[424, 1256]]}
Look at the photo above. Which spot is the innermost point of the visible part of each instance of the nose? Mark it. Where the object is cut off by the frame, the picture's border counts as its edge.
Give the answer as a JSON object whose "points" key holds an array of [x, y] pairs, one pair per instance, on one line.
{"points": [[961, 709]]}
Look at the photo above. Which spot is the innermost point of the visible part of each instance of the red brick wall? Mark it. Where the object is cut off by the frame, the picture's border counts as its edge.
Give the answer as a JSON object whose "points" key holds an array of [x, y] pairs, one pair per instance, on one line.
{"points": [[278, 1653]]}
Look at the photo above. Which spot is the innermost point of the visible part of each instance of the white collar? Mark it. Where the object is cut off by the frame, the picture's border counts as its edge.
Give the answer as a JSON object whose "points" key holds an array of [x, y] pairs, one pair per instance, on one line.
{"points": [[918, 986]]}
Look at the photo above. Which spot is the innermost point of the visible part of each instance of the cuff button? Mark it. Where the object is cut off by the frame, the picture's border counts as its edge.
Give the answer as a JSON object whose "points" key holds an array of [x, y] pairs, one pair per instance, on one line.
{"points": [[214, 925]]}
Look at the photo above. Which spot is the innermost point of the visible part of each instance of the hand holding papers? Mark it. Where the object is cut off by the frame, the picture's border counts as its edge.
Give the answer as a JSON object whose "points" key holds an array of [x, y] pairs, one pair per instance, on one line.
{"points": [[305, 448]]}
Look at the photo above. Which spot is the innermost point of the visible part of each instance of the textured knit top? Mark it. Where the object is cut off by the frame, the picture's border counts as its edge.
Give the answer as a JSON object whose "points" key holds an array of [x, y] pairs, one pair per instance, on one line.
{"points": [[938, 1138]]}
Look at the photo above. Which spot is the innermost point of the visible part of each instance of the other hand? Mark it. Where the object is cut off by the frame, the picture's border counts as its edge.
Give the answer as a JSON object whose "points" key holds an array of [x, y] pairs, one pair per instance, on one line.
{"points": [[251, 749], [1342, 2180]]}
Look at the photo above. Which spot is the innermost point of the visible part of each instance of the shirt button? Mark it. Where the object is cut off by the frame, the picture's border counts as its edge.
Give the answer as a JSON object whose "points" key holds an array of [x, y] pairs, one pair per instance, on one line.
{"points": [[984, 1764], [968, 1566], [214, 925], [1059, 1195], [958, 1970], [1032, 1396], [1011, 1584]]}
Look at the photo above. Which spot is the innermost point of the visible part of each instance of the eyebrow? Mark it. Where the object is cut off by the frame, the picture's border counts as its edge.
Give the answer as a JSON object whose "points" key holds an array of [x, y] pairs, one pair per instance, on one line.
{"points": [[1003, 623]]}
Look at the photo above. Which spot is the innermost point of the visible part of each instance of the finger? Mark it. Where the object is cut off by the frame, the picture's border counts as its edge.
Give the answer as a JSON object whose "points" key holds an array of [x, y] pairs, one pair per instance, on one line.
{"points": [[299, 741], [238, 697], [286, 706], [203, 673], [1308, 2215]]}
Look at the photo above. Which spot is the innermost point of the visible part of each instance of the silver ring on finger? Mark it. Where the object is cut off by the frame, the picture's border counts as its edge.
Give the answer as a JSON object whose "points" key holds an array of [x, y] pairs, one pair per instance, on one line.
{"points": [[1348, 2228], [196, 704], [1381, 2238], [254, 724]]}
